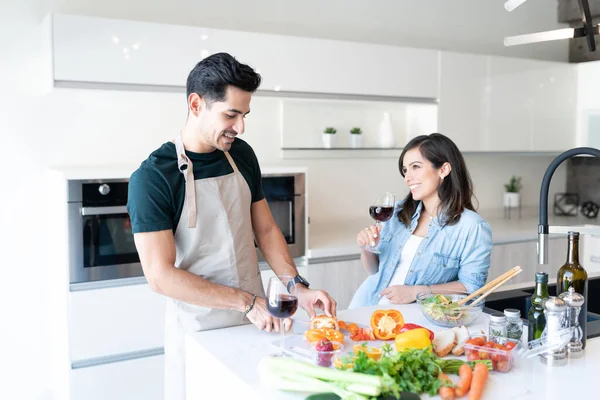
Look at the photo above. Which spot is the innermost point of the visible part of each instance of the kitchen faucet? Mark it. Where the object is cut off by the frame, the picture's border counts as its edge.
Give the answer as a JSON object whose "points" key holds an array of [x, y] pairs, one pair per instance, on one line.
{"points": [[543, 228]]}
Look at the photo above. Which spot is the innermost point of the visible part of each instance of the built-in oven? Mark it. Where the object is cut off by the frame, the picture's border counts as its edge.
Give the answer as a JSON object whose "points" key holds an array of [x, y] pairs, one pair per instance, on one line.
{"points": [[285, 194], [101, 245]]}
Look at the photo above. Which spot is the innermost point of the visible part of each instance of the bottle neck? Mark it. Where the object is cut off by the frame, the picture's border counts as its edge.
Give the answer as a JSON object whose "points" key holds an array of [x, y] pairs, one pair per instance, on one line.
{"points": [[541, 289], [573, 250]]}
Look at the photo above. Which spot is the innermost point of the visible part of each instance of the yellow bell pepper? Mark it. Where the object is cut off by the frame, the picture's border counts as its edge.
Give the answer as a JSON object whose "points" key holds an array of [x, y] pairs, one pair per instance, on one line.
{"points": [[413, 339]]}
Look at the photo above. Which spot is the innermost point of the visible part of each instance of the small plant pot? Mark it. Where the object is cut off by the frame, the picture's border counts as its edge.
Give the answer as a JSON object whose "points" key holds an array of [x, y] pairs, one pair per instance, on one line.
{"points": [[328, 140], [512, 200], [356, 141]]}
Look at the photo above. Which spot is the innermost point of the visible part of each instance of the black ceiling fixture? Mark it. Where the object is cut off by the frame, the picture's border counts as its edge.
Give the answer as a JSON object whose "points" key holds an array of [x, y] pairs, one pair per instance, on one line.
{"points": [[587, 28]]}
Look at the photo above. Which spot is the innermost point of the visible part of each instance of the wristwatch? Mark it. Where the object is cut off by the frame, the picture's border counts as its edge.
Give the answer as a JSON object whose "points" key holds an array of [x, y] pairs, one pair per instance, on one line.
{"points": [[298, 279]]}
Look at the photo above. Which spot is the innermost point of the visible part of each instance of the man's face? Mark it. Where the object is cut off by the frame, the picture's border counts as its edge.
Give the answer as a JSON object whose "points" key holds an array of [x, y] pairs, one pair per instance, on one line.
{"points": [[221, 122]]}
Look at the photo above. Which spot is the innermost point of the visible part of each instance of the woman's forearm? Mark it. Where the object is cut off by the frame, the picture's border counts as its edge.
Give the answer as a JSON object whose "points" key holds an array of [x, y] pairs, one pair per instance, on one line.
{"points": [[370, 262]]}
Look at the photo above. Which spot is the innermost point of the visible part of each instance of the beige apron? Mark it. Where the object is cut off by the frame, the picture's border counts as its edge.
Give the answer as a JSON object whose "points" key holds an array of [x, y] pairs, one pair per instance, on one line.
{"points": [[214, 240]]}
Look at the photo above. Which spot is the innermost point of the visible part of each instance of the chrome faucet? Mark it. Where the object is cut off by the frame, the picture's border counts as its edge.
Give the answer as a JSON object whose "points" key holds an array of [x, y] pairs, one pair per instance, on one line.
{"points": [[543, 228]]}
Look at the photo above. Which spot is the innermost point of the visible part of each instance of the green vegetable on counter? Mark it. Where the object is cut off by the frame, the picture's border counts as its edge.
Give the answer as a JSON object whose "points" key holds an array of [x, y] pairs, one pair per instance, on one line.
{"points": [[293, 375]]}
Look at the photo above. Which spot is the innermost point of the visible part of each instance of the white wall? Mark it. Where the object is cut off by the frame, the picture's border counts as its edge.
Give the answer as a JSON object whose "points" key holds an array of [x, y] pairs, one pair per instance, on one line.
{"points": [[78, 127]]}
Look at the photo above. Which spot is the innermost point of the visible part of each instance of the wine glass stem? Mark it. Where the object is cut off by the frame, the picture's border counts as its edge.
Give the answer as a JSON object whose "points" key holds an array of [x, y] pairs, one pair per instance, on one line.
{"points": [[281, 328]]}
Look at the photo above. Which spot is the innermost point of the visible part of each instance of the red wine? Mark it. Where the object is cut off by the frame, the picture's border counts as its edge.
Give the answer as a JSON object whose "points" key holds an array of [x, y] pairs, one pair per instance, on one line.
{"points": [[284, 306], [381, 213]]}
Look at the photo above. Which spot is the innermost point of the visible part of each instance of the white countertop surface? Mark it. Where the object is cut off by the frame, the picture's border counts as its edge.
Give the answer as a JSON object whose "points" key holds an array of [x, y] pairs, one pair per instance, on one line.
{"points": [[223, 364], [337, 238]]}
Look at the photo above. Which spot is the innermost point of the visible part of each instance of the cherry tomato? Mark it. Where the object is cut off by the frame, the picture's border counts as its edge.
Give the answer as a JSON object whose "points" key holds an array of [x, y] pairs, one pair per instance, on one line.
{"points": [[510, 345], [472, 355], [502, 366]]}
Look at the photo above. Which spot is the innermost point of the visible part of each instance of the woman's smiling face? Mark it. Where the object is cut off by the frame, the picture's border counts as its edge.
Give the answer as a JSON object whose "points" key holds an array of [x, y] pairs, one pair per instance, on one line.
{"points": [[422, 178]]}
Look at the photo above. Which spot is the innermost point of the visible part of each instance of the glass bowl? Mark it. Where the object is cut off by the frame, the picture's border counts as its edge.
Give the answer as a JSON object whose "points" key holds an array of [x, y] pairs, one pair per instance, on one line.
{"points": [[433, 307], [325, 358]]}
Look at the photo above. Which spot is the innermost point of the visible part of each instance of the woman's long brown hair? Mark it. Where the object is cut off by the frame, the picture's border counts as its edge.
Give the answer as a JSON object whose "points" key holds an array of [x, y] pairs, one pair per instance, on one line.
{"points": [[455, 191]]}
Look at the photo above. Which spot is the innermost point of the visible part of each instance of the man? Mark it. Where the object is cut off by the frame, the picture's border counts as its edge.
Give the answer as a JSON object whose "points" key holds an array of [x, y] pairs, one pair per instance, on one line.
{"points": [[196, 207]]}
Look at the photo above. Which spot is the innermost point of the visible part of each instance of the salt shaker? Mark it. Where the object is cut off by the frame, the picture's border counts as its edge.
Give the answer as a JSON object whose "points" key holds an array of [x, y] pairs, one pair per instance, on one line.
{"points": [[574, 302], [554, 310]]}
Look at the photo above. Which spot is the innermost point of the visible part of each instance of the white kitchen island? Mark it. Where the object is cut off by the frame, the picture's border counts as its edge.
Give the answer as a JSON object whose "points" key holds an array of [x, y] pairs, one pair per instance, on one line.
{"points": [[222, 364]]}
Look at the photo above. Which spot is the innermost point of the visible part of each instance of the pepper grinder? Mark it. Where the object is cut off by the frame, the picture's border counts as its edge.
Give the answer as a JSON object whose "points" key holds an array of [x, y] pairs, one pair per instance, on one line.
{"points": [[574, 302], [554, 310]]}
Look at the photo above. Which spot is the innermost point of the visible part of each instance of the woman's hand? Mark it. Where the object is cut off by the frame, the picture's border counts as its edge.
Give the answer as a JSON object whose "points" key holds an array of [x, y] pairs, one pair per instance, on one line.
{"points": [[401, 294], [370, 235]]}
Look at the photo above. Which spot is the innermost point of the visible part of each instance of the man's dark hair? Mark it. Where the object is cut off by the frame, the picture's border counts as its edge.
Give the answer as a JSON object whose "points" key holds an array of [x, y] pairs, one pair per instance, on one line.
{"points": [[455, 192], [211, 76]]}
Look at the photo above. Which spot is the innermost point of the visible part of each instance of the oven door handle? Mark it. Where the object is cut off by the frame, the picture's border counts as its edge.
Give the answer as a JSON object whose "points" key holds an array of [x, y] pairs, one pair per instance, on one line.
{"points": [[103, 210]]}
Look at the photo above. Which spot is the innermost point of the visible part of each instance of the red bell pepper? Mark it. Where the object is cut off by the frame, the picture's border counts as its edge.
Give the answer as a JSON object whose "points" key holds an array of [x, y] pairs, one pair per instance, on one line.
{"points": [[409, 327]]}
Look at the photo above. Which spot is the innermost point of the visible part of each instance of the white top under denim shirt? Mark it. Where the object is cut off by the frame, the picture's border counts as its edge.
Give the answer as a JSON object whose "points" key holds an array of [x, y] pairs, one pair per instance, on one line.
{"points": [[449, 253]]}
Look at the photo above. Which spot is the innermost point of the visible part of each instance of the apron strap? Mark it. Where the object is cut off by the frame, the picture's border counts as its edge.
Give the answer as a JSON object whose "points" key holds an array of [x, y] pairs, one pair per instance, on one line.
{"points": [[231, 162], [187, 169]]}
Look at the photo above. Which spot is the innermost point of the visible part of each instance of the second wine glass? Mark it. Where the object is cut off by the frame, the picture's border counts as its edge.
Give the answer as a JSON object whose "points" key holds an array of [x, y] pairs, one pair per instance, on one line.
{"points": [[282, 302], [381, 210]]}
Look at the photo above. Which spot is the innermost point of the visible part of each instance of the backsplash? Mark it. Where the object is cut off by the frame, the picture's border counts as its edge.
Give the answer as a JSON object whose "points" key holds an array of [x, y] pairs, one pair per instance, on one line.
{"points": [[583, 178]]}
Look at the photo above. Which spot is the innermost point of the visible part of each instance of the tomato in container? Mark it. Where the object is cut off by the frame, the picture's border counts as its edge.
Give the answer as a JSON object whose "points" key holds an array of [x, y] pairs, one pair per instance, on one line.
{"points": [[502, 352]]}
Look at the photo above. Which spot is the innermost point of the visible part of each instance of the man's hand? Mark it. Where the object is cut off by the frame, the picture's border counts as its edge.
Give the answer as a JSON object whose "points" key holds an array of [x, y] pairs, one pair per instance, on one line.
{"points": [[401, 294], [310, 299], [260, 317]]}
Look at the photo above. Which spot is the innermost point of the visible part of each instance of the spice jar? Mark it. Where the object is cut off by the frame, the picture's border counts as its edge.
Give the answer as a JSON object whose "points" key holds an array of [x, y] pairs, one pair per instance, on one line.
{"points": [[497, 328], [514, 324]]}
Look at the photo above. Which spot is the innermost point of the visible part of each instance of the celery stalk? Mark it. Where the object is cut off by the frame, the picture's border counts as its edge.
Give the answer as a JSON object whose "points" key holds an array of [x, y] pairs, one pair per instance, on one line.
{"points": [[278, 366]]}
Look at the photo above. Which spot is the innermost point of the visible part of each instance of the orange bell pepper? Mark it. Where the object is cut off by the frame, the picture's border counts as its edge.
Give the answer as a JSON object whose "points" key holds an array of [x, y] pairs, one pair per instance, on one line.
{"points": [[314, 335], [386, 324]]}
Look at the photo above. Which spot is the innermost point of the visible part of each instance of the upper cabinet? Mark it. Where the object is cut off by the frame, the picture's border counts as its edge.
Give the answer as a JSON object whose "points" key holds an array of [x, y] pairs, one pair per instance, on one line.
{"points": [[492, 103], [97, 50], [588, 104]]}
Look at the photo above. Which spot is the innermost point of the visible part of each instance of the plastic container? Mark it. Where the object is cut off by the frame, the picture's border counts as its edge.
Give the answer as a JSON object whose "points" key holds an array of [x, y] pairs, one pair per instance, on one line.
{"points": [[499, 352], [325, 358]]}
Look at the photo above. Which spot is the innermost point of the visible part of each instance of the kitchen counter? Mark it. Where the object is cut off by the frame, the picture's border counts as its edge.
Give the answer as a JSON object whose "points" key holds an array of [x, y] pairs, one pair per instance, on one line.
{"points": [[223, 364], [337, 239]]}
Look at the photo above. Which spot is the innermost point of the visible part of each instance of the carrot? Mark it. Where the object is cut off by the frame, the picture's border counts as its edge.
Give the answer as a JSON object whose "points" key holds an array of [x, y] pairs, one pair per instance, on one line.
{"points": [[480, 375], [446, 392], [466, 374]]}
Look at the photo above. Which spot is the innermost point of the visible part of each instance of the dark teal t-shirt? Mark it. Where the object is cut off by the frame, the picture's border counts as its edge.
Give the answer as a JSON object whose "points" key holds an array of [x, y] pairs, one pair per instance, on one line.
{"points": [[157, 188]]}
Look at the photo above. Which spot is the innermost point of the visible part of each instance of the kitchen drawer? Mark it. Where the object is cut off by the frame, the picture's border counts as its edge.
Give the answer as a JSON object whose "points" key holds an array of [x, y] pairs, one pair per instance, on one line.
{"points": [[591, 253], [115, 320], [141, 379]]}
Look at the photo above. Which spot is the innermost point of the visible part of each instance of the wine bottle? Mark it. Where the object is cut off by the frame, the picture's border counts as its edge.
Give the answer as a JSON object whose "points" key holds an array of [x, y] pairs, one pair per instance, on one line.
{"points": [[536, 318], [573, 274]]}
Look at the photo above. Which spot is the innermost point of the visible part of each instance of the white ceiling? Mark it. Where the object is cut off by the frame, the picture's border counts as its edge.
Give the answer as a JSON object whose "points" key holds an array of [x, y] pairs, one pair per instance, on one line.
{"points": [[476, 26]]}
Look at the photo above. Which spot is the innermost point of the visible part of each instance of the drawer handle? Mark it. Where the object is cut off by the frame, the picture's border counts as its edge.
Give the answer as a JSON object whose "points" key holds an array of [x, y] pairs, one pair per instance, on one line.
{"points": [[595, 259]]}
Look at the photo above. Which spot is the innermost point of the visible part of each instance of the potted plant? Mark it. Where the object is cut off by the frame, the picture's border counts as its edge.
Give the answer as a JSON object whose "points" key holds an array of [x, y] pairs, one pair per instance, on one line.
{"points": [[512, 197], [329, 137], [356, 137]]}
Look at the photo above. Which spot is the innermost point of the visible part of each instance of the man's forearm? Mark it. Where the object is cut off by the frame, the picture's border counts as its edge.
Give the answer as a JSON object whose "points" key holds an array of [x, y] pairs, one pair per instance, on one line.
{"points": [[275, 249], [190, 288]]}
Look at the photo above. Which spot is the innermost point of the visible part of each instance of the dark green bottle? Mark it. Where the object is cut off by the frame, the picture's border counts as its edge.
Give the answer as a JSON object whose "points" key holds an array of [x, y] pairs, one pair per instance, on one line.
{"points": [[536, 318], [573, 274]]}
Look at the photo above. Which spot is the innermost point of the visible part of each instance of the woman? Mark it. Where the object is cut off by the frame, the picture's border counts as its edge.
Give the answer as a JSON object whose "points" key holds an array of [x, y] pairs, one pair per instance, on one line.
{"points": [[435, 240]]}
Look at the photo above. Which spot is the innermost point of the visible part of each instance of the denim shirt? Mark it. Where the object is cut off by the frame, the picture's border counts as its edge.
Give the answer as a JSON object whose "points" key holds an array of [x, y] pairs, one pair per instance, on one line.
{"points": [[447, 254]]}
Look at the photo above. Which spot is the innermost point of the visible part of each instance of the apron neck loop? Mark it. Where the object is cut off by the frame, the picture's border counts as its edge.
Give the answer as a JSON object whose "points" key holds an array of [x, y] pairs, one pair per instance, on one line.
{"points": [[187, 169]]}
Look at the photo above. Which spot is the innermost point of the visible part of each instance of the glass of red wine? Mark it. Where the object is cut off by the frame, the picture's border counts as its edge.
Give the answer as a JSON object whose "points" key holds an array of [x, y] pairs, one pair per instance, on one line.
{"points": [[381, 210], [282, 302]]}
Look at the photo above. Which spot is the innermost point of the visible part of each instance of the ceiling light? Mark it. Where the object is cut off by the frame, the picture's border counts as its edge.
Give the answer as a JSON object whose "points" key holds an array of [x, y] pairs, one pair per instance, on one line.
{"points": [[588, 30], [512, 4]]}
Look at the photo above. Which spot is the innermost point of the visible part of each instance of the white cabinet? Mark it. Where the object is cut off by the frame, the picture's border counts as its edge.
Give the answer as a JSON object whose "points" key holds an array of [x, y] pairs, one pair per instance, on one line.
{"points": [[490, 103], [463, 112], [340, 279], [588, 102], [524, 254], [126, 380], [88, 49], [110, 321]]}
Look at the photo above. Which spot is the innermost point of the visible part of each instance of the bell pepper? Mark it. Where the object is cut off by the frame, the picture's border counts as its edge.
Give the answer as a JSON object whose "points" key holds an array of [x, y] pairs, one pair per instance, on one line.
{"points": [[386, 324], [413, 339], [409, 327]]}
